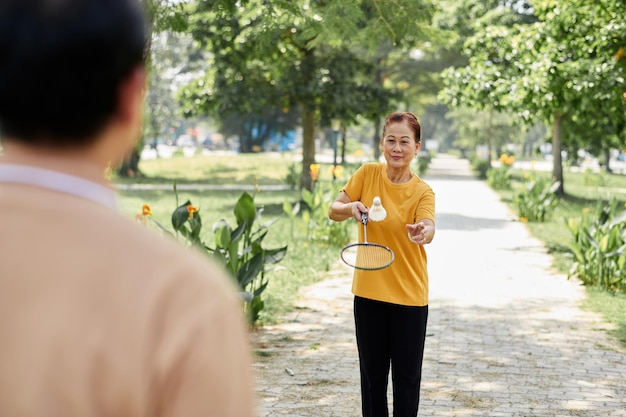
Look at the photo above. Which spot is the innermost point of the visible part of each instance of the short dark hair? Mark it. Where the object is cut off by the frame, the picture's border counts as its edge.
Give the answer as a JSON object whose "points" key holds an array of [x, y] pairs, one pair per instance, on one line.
{"points": [[409, 117], [61, 65]]}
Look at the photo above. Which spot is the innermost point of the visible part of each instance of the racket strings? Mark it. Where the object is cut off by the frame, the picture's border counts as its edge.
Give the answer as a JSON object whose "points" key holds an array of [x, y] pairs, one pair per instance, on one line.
{"points": [[372, 256], [368, 256]]}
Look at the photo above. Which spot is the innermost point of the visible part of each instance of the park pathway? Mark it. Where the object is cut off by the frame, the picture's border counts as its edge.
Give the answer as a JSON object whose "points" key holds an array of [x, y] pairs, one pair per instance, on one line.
{"points": [[506, 334]]}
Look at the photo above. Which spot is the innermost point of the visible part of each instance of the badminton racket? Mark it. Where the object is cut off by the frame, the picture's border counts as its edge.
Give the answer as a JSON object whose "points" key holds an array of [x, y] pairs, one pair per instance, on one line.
{"points": [[366, 255]]}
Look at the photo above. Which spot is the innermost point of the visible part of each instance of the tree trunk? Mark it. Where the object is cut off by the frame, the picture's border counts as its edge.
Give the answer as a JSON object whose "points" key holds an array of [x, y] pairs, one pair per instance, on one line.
{"points": [[607, 161], [308, 145], [130, 165], [557, 163], [376, 139], [343, 145], [377, 127]]}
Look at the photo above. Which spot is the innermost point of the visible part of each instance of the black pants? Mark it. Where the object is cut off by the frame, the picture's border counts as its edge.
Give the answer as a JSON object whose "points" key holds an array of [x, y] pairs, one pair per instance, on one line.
{"points": [[390, 334]]}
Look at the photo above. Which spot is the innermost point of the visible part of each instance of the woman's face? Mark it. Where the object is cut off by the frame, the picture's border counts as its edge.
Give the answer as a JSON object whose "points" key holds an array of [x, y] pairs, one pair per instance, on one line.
{"points": [[399, 145]]}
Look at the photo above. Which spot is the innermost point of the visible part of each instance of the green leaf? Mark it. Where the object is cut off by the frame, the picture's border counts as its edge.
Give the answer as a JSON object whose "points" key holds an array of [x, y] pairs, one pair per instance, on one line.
{"points": [[249, 270], [256, 247], [233, 256], [245, 211], [219, 224], [604, 243], [260, 290], [273, 256], [238, 232], [180, 216], [269, 223], [222, 237], [254, 308], [261, 236]]}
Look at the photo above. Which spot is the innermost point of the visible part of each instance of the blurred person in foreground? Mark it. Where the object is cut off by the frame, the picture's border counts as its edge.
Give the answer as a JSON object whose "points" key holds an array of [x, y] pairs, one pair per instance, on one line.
{"points": [[99, 316], [391, 304]]}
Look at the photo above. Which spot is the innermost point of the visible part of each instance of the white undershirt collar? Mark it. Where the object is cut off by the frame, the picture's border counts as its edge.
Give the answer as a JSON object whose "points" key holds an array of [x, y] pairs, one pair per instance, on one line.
{"points": [[57, 181]]}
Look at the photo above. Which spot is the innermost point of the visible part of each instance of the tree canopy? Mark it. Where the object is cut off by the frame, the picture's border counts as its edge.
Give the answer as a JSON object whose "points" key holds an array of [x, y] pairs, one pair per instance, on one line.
{"points": [[315, 56], [565, 66]]}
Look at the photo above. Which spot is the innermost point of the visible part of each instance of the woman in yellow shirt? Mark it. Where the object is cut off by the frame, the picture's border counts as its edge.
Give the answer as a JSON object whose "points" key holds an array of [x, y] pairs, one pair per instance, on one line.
{"points": [[391, 304]]}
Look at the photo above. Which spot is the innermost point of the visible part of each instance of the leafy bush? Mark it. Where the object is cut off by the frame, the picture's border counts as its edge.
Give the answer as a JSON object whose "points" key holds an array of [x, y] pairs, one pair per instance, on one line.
{"points": [[239, 249], [537, 200], [599, 248], [499, 178], [480, 167]]}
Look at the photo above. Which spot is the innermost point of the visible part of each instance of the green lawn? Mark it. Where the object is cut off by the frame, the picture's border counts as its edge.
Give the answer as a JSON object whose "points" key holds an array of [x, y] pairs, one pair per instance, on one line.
{"points": [[217, 169]]}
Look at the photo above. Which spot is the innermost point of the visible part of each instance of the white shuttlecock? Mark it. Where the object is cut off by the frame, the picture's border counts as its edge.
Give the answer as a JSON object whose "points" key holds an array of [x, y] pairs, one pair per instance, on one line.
{"points": [[377, 213]]}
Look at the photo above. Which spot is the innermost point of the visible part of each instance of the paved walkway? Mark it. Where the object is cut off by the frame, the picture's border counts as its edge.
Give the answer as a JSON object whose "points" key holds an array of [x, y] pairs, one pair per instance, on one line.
{"points": [[506, 336]]}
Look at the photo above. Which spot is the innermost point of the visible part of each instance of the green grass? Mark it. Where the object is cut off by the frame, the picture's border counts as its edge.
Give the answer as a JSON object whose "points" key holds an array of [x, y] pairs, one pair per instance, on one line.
{"points": [[215, 169], [582, 193], [612, 307]]}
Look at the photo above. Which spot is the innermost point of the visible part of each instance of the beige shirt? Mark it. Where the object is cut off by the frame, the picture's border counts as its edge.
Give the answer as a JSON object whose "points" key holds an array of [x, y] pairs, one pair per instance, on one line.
{"points": [[101, 317]]}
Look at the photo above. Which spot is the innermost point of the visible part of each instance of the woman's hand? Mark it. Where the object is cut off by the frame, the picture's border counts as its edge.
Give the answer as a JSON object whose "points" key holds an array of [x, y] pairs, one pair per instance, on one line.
{"points": [[421, 232], [357, 209], [343, 208]]}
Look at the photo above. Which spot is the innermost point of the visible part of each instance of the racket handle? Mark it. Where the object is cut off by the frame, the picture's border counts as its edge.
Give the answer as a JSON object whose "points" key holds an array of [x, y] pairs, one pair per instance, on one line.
{"points": [[364, 220]]}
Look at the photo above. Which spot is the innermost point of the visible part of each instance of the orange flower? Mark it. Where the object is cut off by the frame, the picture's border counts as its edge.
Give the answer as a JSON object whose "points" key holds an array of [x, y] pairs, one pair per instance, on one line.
{"points": [[142, 217], [510, 160], [335, 171], [506, 159], [314, 171], [620, 54], [145, 210], [191, 210]]}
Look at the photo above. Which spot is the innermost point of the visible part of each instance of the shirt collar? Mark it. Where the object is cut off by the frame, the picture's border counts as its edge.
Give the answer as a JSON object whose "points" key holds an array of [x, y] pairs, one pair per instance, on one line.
{"points": [[57, 181]]}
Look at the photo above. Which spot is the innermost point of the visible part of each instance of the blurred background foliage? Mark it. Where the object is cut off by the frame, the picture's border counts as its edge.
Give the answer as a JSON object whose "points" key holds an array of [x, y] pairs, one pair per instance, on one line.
{"points": [[490, 73]]}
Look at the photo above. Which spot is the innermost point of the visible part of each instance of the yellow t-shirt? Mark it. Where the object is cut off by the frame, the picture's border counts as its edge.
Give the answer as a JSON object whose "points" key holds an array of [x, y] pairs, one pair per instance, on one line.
{"points": [[405, 281]]}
